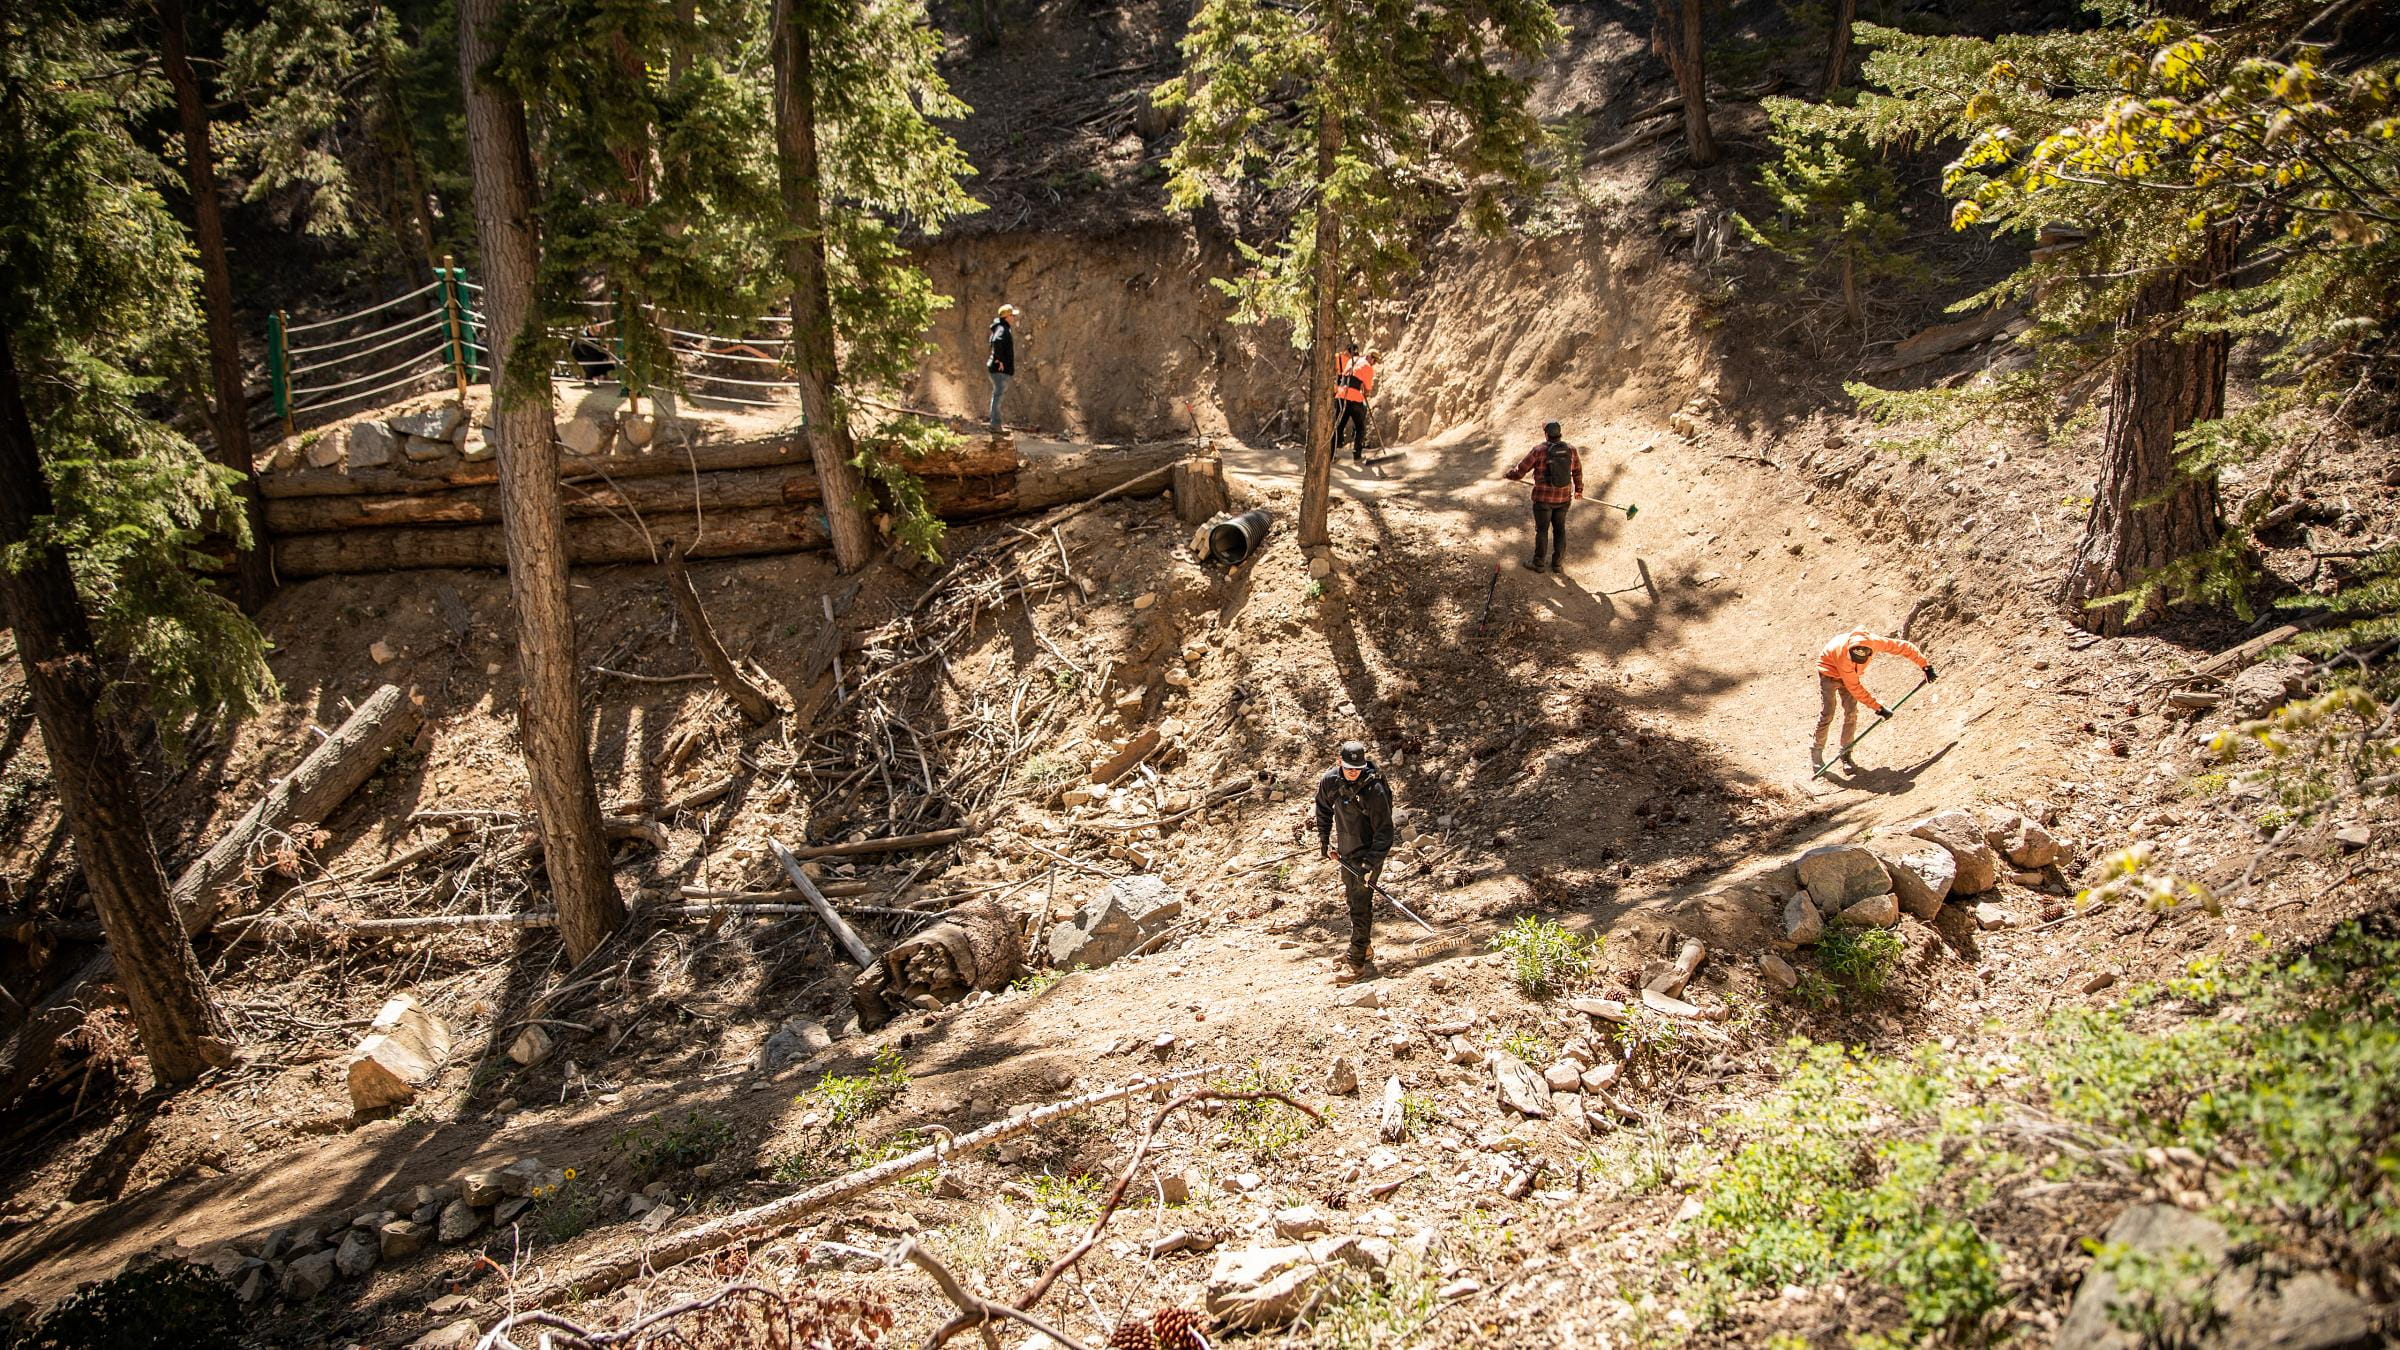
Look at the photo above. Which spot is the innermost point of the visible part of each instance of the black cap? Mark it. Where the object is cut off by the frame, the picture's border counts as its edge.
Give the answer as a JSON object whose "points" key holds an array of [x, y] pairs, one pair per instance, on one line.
{"points": [[1354, 755], [1550, 429]]}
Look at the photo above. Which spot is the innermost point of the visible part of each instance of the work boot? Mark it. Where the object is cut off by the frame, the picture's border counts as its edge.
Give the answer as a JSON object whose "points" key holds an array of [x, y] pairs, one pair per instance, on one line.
{"points": [[1816, 759], [1355, 967], [1534, 563]]}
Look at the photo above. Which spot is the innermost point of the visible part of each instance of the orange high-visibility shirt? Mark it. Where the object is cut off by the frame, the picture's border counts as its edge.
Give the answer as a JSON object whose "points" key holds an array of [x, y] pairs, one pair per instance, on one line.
{"points": [[1834, 662], [1353, 380]]}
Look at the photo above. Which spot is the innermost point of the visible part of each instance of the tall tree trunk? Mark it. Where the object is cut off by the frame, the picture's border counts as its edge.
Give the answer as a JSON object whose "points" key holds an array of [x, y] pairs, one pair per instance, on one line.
{"points": [[550, 714], [229, 411], [1837, 56], [1678, 38], [181, 1029], [813, 367], [1316, 484], [2149, 512]]}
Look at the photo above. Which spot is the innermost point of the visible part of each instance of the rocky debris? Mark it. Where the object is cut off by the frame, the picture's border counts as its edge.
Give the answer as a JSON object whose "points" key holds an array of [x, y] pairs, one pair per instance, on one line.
{"points": [[1802, 924], [358, 1253], [1564, 1076], [531, 1046], [1521, 1089], [797, 1039], [1991, 914], [1178, 1187], [403, 1050], [321, 451], [1978, 865], [1300, 1221], [421, 451], [370, 444], [2253, 1305], [2354, 837], [1368, 998], [1876, 911], [1109, 768], [1123, 915], [2264, 687], [309, 1276], [434, 424], [459, 1335], [382, 653], [481, 1189], [2022, 840], [1342, 1078], [458, 1222], [1600, 1077], [1778, 973], [1840, 875], [402, 1238], [1392, 1126], [1922, 878], [1262, 1286], [2096, 981]]}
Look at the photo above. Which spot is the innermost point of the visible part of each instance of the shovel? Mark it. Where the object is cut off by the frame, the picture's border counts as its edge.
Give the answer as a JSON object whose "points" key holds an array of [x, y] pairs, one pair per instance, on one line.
{"points": [[1844, 756]]}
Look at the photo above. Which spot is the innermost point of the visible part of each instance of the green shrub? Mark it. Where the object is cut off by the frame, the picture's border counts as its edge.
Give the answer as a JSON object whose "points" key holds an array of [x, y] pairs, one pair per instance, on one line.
{"points": [[1543, 956], [1265, 1130], [1862, 958], [848, 1098], [657, 1147]]}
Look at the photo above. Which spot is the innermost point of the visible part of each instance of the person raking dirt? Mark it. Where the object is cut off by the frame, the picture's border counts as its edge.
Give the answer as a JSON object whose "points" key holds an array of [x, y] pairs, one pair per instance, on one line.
{"points": [[1353, 382], [1354, 828], [1557, 470], [1841, 668]]}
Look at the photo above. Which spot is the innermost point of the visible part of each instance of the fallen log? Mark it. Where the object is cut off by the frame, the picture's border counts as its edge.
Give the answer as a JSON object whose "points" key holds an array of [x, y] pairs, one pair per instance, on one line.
{"points": [[775, 1216], [1052, 473], [977, 458], [897, 843], [1942, 339], [844, 935], [723, 490], [744, 692]]}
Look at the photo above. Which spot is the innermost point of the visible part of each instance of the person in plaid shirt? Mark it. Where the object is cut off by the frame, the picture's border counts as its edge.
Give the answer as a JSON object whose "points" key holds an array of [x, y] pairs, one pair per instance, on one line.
{"points": [[1557, 480]]}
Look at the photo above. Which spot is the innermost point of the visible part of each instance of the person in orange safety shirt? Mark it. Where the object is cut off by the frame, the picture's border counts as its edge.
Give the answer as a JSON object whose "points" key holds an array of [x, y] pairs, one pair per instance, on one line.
{"points": [[1839, 670], [1353, 381]]}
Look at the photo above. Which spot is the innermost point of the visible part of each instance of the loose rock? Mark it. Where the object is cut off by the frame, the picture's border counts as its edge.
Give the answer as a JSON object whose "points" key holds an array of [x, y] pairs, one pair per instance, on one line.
{"points": [[309, 1276], [1802, 924], [402, 1238], [1778, 973], [1922, 878], [1300, 1221], [1876, 911], [1520, 1087], [1121, 916], [1262, 1286], [531, 1046], [2256, 1305], [458, 1222], [1978, 865], [1342, 1078], [357, 1254], [403, 1049], [1840, 875]]}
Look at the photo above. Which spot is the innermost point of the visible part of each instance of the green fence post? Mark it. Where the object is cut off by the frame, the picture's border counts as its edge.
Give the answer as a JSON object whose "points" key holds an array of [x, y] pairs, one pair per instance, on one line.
{"points": [[279, 369]]}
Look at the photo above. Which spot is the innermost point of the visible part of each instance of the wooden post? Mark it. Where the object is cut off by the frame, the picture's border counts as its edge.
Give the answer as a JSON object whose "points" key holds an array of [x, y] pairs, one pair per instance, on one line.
{"points": [[458, 337], [279, 368], [844, 936], [1199, 486]]}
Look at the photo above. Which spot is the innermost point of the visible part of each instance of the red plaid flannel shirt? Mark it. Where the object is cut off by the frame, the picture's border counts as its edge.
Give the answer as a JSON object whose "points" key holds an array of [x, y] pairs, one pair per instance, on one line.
{"points": [[1542, 492]]}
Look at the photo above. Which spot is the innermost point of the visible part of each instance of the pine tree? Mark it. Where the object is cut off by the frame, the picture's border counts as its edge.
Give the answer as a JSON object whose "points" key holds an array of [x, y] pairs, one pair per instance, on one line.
{"points": [[1682, 42], [1385, 116], [550, 722], [100, 504], [1836, 206], [2188, 185]]}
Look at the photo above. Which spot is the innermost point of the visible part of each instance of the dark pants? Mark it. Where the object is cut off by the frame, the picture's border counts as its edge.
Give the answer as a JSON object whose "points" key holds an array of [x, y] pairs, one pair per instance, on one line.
{"points": [[1550, 533], [1353, 415], [1359, 890]]}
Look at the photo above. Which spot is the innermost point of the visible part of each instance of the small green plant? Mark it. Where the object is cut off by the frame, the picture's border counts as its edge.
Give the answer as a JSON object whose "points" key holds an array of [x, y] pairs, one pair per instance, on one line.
{"points": [[1316, 589], [1363, 1311], [2208, 784], [2126, 875], [656, 1147], [1075, 1197], [1035, 983], [1045, 769], [568, 1209], [1530, 1046], [1543, 956], [2165, 1299], [1862, 958], [848, 1098], [1815, 991], [1265, 1130], [1418, 1114]]}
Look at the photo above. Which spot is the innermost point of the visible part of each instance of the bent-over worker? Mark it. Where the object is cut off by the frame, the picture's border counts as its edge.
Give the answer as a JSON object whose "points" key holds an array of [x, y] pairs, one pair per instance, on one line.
{"points": [[1353, 381], [1557, 471], [1840, 668], [1354, 827]]}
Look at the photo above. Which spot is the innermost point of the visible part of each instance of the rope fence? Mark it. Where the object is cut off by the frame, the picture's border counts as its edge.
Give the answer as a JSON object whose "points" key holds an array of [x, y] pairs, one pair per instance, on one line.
{"points": [[347, 360]]}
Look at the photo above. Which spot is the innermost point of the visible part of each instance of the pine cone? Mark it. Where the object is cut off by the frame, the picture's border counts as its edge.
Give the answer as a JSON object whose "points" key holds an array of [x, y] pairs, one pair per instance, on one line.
{"points": [[1177, 1329], [1131, 1335]]}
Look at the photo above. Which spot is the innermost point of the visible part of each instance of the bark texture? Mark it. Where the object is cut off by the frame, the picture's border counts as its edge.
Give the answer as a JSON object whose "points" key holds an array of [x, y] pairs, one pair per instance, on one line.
{"points": [[2148, 511], [229, 410], [550, 715], [813, 357], [180, 1026], [1679, 39], [751, 699], [1837, 55], [1316, 483]]}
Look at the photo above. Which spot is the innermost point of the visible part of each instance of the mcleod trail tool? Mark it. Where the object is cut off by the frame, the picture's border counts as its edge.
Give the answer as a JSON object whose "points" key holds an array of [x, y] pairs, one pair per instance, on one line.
{"points": [[1377, 888], [1488, 592], [1629, 510], [1845, 754]]}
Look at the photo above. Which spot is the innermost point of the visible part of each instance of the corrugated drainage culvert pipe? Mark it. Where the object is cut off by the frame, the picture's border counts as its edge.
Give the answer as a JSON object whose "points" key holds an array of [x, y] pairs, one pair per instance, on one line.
{"points": [[1231, 541]]}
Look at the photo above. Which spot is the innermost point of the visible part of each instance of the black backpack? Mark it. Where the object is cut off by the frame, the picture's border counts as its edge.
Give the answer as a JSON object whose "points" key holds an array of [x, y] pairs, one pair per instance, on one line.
{"points": [[1558, 464]]}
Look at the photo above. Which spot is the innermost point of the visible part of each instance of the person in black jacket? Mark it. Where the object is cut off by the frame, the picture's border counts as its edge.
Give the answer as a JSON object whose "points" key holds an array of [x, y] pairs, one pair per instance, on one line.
{"points": [[1354, 807], [1001, 365]]}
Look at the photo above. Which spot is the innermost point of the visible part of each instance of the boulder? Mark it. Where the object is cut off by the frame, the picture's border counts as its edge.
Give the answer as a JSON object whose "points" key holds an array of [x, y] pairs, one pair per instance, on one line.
{"points": [[2219, 1302], [1262, 1286], [434, 424], [309, 1276], [420, 450], [1922, 878], [1802, 924], [2021, 839], [1977, 864], [1120, 917], [1840, 875], [370, 445], [1521, 1089], [797, 1039], [1778, 973], [358, 1253], [585, 435], [2264, 687], [1876, 911], [1300, 1221], [459, 1335], [403, 1050], [402, 1238], [458, 1222]]}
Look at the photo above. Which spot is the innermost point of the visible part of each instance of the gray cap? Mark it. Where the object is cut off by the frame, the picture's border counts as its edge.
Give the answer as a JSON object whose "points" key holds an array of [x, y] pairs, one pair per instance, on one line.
{"points": [[1354, 755]]}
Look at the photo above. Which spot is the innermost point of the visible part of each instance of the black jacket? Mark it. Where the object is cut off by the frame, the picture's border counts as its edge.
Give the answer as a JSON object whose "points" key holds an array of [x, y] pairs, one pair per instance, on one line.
{"points": [[1004, 348], [1361, 812]]}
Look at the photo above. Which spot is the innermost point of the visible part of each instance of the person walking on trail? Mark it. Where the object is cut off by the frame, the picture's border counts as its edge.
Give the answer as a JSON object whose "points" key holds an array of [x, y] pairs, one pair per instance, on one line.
{"points": [[1354, 827], [1353, 381], [1001, 365], [1557, 471], [1840, 671]]}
